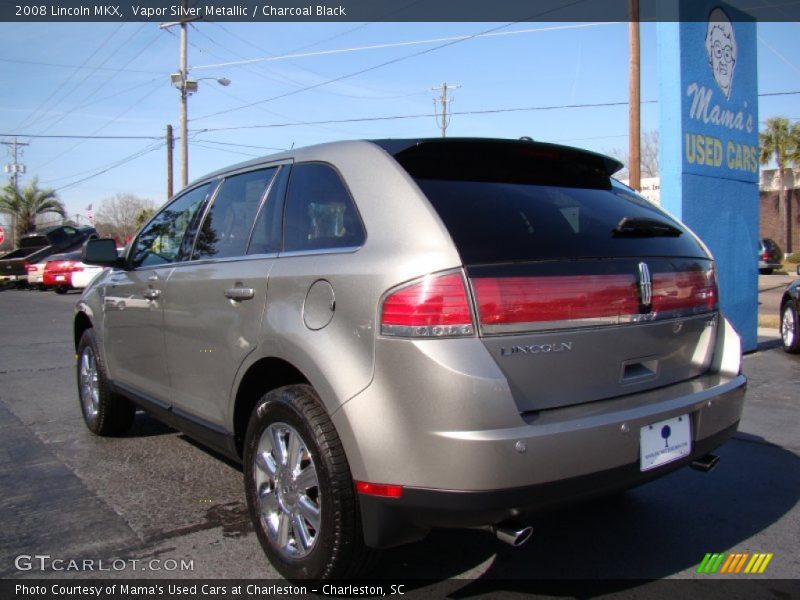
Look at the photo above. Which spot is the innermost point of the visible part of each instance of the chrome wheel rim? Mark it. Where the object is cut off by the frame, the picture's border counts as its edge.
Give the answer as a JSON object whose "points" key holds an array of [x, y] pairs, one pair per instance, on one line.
{"points": [[287, 491], [90, 390], [788, 327]]}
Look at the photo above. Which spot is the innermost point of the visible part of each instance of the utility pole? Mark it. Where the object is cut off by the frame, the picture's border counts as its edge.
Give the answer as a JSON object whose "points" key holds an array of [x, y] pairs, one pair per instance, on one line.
{"points": [[444, 100], [634, 101], [185, 87], [14, 169], [184, 71], [170, 147]]}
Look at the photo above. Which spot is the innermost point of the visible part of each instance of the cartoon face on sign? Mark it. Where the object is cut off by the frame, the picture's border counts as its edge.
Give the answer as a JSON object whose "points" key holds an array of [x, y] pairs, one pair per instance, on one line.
{"points": [[721, 49]]}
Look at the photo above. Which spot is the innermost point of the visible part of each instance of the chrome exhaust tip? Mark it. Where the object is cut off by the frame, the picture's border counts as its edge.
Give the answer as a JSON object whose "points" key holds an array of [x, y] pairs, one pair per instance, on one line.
{"points": [[512, 534], [705, 463]]}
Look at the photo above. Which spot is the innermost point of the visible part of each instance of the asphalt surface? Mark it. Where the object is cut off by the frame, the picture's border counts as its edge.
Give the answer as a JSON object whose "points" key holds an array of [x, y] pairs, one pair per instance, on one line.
{"points": [[155, 494]]}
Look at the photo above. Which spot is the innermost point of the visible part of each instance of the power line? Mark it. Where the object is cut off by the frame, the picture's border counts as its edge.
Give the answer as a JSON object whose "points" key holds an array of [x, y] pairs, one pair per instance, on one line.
{"points": [[31, 118], [78, 67], [116, 165], [228, 150], [100, 85], [86, 137], [311, 71], [425, 115], [384, 46], [381, 65], [357, 119], [92, 169], [243, 145], [136, 103]]}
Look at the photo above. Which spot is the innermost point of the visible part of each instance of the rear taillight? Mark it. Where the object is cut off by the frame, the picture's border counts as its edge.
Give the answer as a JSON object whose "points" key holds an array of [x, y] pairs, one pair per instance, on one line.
{"points": [[437, 306], [63, 266], [765, 256], [538, 303], [685, 292], [30, 268], [511, 300]]}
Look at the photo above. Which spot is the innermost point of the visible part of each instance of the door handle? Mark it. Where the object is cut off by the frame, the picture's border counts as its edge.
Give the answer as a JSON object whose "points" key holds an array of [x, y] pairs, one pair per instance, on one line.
{"points": [[151, 293], [240, 293]]}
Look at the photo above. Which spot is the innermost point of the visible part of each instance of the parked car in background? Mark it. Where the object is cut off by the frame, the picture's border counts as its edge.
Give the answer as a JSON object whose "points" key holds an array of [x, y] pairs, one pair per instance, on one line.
{"points": [[36, 275], [770, 256], [790, 324], [37, 246], [58, 271], [83, 275], [398, 335]]}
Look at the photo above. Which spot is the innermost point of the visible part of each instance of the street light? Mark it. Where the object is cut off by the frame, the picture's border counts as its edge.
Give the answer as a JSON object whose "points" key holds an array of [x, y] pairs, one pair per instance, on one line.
{"points": [[188, 86]]}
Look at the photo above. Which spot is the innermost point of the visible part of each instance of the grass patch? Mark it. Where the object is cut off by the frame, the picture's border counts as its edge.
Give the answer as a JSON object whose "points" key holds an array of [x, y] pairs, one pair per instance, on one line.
{"points": [[769, 321]]}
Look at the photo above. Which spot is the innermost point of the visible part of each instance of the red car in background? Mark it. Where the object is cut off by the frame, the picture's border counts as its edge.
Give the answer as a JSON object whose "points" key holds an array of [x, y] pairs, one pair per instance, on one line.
{"points": [[59, 269]]}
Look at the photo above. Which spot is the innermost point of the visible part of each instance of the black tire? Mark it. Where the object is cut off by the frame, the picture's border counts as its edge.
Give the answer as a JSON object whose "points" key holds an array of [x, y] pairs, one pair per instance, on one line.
{"points": [[61, 289], [790, 328], [104, 412], [338, 548]]}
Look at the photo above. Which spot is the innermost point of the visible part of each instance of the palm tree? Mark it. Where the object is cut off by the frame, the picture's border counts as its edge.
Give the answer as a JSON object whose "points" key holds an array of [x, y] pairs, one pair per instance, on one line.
{"points": [[29, 202], [781, 142]]}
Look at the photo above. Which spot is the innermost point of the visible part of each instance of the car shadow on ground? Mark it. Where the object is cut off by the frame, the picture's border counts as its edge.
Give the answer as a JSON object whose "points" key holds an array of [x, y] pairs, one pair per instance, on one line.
{"points": [[146, 426], [652, 532]]}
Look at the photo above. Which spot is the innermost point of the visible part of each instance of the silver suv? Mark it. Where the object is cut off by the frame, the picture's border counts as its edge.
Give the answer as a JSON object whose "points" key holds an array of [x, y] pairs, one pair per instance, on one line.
{"points": [[404, 334]]}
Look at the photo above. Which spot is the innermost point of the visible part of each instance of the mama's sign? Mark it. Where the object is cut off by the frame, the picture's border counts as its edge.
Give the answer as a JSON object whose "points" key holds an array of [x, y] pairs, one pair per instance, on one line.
{"points": [[708, 105], [719, 106]]}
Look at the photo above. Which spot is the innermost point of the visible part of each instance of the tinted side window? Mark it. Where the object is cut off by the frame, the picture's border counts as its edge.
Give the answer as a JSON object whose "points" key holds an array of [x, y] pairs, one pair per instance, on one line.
{"points": [[266, 238], [227, 224], [319, 211], [159, 243]]}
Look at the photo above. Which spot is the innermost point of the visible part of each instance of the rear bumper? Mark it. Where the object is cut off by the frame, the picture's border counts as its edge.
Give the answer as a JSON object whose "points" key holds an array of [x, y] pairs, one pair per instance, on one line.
{"points": [[389, 522], [570, 458]]}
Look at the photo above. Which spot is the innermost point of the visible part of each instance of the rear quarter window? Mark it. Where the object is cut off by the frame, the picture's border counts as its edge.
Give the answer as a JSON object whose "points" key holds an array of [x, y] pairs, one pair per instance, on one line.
{"points": [[320, 214]]}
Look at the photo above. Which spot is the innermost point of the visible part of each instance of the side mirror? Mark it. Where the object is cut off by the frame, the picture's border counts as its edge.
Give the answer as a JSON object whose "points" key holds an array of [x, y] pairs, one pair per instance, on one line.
{"points": [[102, 253]]}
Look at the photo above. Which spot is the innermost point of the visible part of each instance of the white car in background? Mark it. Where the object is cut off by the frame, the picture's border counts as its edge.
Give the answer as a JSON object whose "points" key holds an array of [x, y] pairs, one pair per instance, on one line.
{"points": [[36, 275], [83, 277]]}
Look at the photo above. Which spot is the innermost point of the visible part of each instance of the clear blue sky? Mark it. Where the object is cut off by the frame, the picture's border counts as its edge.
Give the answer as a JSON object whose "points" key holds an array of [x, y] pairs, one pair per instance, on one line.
{"points": [[124, 90]]}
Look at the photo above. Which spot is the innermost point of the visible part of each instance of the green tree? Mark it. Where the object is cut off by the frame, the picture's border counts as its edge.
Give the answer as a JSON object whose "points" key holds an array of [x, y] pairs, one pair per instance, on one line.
{"points": [[781, 142], [28, 203]]}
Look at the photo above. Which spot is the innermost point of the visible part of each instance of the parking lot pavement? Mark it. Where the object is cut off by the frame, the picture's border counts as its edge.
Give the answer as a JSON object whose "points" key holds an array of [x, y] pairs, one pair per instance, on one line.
{"points": [[156, 495]]}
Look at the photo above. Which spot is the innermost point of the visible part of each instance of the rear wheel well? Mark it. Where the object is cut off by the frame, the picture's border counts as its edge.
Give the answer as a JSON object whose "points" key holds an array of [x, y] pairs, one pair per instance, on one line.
{"points": [[82, 323], [265, 375]]}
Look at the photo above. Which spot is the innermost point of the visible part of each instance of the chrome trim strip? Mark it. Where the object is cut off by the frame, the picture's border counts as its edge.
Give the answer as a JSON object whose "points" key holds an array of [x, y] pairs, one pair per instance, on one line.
{"points": [[599, 322], [342, 250], [437, 331]]}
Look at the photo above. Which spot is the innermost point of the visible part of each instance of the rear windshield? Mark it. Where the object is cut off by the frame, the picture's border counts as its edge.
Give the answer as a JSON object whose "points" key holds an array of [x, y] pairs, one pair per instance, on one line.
{"points": [[548, 206]]}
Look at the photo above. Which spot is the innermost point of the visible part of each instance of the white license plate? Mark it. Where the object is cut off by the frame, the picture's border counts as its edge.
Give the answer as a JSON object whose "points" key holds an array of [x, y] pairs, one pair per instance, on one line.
{"points": [[665, 441], [61, 277]]}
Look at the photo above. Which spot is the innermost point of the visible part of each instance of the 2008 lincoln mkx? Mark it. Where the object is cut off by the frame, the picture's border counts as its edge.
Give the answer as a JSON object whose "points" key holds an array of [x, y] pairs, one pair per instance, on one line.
{"points": [[398, 335]]}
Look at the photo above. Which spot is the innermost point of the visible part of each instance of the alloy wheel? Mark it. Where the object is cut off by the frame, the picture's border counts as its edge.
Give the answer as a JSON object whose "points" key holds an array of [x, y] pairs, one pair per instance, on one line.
{"points": [[89, 385], [287, 488], [788, 327]]}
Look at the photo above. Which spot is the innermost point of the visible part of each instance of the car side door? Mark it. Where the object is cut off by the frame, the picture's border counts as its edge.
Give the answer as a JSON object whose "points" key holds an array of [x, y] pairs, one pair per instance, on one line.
{"points": [[216, 299], [134, 298]]}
